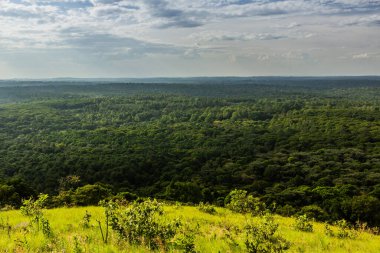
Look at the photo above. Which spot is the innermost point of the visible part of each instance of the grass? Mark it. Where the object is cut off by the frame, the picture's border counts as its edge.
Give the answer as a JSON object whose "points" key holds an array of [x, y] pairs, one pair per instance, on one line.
{"points": [[222, 232]]}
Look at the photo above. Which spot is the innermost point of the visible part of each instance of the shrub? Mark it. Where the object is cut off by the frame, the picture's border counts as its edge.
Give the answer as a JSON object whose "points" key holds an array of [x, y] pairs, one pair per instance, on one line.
{"points": [[64, 198], [90, 194], [238, 201], [139, 224], [185, 241], [46, 229], [303, 223], [344, 230], [286, 210], [206, 208], [128, 196], [329, 231], [263, 238], [314, 211], [86, 220], [33, 209]]}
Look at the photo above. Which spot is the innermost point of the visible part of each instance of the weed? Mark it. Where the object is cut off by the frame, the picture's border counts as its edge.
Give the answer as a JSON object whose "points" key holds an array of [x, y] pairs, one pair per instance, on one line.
{"points": [[6, 226], [77, 247], [328, 231], [22, 244], [46, 229], [86, 220]]}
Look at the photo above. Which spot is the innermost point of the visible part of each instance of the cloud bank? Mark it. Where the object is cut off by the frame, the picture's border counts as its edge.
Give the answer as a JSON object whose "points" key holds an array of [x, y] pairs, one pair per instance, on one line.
{"points": [[187, 38]]}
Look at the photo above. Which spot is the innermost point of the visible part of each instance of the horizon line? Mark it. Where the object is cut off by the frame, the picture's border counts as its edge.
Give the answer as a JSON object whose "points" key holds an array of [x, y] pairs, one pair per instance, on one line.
{"points": [[185, 77]]}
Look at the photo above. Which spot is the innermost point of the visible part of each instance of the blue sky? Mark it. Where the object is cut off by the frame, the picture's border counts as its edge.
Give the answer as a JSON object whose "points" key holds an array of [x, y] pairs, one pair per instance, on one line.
{"points": [[151, 38]]}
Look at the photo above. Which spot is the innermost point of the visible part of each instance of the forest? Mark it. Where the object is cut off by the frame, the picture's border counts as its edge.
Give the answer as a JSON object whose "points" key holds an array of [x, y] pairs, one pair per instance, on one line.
{"points": [[300, 145]]}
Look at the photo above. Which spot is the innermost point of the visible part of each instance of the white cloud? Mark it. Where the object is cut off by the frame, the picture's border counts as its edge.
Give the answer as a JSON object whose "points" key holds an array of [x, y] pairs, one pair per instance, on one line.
{"points": [[360, 56], [274, 32]]}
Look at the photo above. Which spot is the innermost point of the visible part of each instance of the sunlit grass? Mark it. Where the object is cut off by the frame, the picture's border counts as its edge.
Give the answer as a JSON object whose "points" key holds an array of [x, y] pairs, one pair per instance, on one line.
{"points": [[222, 232]]}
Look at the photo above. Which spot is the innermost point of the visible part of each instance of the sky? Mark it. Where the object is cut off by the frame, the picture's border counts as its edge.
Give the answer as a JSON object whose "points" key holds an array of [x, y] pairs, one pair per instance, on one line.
{"points": [[183, 38]]}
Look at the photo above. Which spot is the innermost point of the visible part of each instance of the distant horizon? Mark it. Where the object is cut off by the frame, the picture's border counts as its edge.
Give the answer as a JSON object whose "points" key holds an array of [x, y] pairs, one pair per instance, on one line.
{"points": [[187, 77]]}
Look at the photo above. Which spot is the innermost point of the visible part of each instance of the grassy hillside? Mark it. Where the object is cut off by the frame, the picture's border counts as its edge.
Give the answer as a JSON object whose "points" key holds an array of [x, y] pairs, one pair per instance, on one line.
{"points": [[223, 231]]}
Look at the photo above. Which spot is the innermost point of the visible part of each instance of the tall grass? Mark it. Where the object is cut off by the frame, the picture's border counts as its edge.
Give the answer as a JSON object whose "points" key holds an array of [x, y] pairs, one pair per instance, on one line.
{"points": [[222, 231]]}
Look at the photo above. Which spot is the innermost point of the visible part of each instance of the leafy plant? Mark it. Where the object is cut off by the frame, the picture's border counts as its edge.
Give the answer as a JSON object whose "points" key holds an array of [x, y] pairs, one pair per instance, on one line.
{"points": [[140, 224], [109, 209], [77, 246], [344, 230], [86, 220], [45, 225], [328, 230], [206, 208], [185, 241], [239, 201], [263, 238], [303, 223], [33, 209], [6, 226]]}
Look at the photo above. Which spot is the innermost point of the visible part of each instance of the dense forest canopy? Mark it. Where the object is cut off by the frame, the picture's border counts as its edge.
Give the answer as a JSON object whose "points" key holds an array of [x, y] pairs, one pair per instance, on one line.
{"points": [[310, 144]]}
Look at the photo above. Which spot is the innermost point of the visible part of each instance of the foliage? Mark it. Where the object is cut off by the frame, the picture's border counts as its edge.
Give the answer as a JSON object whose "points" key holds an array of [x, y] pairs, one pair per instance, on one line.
{"points": [[90, 194], [303, 223], [86, 220], [206, 208], [344, 230], [33, 209], [139, 224], [306, 144], [69, 182], [200, 232], [45, 226], [239, 201], [314, 211], [185, 239], [263, 238]]}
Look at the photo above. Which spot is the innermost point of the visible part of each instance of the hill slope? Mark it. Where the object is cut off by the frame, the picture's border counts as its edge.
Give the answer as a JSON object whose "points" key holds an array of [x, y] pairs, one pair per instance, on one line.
{"points": [[223, 231]]}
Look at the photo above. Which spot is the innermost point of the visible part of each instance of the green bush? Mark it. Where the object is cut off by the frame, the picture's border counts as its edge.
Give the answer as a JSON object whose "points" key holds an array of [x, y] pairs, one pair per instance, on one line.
{"points": [[286, 210], [140, 224], [303, 223], [344, 230], [263, 238], [33, 209], [90, 194], [185, 241], [314, 211], [85, 223], [206, 208], [239, 201]]}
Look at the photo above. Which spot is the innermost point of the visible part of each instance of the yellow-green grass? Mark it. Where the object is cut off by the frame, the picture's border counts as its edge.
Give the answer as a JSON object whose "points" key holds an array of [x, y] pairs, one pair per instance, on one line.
{"points": [[222, 232]]}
